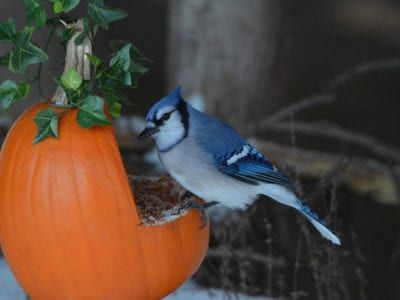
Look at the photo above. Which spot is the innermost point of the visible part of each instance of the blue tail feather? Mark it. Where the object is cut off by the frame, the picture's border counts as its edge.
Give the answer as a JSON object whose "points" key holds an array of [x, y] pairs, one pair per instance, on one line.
{"points": [[318, 223]]}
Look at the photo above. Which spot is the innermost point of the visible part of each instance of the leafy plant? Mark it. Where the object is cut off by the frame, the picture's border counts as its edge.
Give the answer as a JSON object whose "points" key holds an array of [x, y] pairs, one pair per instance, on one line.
{"points": [[11, 91], [110, 76]]}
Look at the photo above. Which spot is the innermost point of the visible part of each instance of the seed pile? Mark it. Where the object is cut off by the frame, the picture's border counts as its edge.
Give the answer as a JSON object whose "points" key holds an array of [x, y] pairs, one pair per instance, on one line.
{"points": [[158, 199]]}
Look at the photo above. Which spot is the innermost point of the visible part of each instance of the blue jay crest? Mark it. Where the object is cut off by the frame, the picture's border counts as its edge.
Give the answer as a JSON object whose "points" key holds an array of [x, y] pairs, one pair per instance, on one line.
{"points": [[176, 92], [172, 99]]}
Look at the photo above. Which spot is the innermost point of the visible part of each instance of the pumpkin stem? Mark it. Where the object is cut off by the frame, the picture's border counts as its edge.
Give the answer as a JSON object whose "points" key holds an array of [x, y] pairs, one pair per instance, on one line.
{"points": [[75, 58]]}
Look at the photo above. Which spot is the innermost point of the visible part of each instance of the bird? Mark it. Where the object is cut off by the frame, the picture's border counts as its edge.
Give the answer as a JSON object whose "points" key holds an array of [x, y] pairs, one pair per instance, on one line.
{"points": [[211, 160]]}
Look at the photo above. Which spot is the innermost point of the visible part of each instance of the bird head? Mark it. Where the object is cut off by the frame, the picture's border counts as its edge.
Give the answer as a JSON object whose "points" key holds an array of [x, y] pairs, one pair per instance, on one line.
{"points": [[167, 121]]}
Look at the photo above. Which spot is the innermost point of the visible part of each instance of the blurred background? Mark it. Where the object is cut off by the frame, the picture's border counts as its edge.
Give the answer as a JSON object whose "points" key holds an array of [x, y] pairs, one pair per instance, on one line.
{"points": [[315, 86]]}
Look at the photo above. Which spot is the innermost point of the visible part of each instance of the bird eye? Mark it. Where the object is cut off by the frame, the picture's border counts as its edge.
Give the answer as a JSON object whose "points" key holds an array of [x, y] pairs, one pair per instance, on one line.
{"points": [[165, 116]]}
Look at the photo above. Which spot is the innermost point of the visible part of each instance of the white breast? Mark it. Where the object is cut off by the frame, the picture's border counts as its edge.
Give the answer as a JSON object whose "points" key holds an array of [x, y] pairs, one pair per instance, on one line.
{"points": [[194, 170]]}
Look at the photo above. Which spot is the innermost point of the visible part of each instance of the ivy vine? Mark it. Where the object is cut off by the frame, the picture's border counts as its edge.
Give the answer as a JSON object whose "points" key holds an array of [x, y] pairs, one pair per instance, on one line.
{"points": [[110, 76]]}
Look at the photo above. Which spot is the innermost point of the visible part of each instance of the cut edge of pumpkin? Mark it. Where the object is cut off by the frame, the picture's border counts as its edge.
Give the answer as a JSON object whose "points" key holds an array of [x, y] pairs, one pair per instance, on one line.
{"points": [[158, 199]]}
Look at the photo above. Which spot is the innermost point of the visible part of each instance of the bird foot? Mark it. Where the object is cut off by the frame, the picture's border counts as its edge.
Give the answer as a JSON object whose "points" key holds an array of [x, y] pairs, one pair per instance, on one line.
{"points": [[186, 196], [200, 207]]}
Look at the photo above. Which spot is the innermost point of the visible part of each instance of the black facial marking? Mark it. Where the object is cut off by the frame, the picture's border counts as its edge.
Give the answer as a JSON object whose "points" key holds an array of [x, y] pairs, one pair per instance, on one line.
{"points": [[163, 118], [183, 110]]}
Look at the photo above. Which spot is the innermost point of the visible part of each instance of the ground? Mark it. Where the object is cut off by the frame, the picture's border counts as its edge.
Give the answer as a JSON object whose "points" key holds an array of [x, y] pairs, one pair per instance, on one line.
{"points": [[10, 290]]}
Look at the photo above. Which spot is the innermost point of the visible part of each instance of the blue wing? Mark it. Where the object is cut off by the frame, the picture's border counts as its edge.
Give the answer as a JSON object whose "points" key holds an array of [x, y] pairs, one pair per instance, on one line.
{"points": [[232, 155], [250, 166]]}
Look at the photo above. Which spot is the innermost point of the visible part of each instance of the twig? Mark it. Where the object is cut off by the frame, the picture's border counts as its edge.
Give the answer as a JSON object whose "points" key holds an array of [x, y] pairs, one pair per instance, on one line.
{"points": [[227, 252], [362, 69], [270, 266], [297, 265], [362, 176], [302, 104], [333, 131], [327, 96], [360, 260]]}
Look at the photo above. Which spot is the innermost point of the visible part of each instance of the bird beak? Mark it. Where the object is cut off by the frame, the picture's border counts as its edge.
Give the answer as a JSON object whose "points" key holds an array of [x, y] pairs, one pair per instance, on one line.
{"points": [[147, 132]]}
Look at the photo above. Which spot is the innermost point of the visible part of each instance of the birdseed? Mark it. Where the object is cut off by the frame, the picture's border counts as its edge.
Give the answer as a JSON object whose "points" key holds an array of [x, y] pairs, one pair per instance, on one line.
{"points": [[158, 199]]}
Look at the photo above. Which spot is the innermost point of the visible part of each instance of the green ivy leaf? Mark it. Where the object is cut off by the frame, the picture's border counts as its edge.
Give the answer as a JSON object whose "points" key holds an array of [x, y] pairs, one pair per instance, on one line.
{"points": [[86, 89], [136, 55], [25, 52], [94, 60], [125, 68], [122, 57], [115, 110], [5, 60], [11, 91], [110, 84], [35, 12], [102, 14], [71, 79], [138, 70], [91, 112], [64, 5], [139, 57], [121, 63], [127, 79], [7, 31], [112, 90], [47, 123], [65, 33], [118, 44], [137, 60], [94, 30]]}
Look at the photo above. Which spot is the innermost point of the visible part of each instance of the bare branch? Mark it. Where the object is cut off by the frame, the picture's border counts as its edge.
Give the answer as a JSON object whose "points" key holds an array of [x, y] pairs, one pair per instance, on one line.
{"points": [[362, 176], [327, 95], [295, 107], [226, 252], [362, 69], [326, 130]]}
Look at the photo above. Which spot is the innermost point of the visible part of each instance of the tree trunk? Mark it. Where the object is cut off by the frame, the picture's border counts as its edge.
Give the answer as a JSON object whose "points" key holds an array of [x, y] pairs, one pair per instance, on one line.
{"points": [[232, 52]]}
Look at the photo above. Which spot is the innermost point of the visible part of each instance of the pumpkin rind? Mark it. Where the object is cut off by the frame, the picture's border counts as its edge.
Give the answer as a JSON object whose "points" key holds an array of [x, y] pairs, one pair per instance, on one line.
{"points": [[68, 223]]}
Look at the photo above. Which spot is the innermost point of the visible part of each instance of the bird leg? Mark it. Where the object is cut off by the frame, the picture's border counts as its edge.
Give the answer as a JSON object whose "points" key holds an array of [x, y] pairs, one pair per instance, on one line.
{"points": [[193, 204]]}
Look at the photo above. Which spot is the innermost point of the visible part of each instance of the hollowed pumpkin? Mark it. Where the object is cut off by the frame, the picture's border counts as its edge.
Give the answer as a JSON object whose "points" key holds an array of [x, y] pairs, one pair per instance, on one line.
{"points": [[69, 228]]}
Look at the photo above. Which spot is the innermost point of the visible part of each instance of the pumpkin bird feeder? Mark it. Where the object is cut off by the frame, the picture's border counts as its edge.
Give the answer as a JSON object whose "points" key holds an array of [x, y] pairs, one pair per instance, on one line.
{"points": [[69, 225]]}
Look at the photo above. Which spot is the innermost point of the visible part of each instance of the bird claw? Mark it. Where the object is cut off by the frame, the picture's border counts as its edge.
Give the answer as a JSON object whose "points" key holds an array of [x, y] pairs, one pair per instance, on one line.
{"points": [[186, 195], [200, 207]]}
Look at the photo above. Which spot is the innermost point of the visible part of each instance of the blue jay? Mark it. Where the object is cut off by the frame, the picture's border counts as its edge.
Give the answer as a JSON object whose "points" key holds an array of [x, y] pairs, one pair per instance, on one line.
{"points": [[209, 159]]}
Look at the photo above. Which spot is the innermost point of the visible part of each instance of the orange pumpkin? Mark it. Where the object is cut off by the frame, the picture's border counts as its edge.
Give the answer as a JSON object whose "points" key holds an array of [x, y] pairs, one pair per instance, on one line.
{"points": [[69, 228]]}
